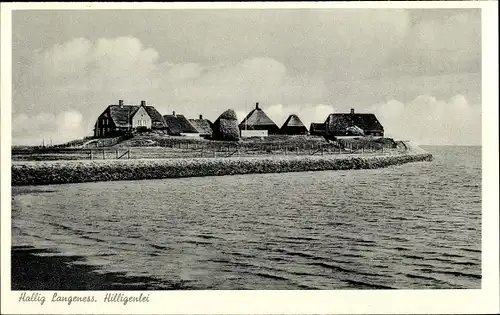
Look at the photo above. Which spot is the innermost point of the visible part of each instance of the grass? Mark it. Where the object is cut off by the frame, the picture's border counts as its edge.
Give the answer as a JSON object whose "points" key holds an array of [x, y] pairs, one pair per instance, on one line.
{"points": [[60, 172], [154, 145]]}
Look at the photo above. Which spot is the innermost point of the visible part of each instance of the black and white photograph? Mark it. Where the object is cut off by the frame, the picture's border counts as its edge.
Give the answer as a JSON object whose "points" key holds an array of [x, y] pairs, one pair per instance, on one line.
{"points": [[232, 148]]}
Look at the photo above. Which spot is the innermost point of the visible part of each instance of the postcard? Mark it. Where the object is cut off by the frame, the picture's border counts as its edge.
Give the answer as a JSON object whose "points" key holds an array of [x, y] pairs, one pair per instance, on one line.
{"points": [[250, 158]]}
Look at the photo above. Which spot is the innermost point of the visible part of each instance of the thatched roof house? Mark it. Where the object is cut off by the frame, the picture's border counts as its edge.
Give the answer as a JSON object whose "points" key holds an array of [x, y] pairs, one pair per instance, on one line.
{"points": [[293, 126], [226, 127], [179, 125], [203, 126], [116, 119], [344, 124], [258, 120], [317, 129]]}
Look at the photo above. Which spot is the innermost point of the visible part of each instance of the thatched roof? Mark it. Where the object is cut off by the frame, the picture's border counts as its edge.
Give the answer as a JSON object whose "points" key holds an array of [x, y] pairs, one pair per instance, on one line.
{"points": [[203, 126], [293, 126], [338, 123], [122, 115], [317, 129], [157, 119], [226, 126], [258, 120], [178, 124]]}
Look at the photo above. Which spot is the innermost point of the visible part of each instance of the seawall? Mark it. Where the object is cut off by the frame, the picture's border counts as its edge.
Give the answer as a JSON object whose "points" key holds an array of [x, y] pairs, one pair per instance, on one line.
{"points": [[62, 172]]}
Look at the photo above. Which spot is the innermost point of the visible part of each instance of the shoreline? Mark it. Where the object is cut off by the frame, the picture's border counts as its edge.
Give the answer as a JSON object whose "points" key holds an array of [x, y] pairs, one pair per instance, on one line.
{"points": [[79, 171], [45, 270]]}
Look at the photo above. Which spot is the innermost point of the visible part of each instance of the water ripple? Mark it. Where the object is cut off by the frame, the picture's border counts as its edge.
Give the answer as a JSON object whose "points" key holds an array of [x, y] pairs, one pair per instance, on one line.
{"points": [[413, 226]]}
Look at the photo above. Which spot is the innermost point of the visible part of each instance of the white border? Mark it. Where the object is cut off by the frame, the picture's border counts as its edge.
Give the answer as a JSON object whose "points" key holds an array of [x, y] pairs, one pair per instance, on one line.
{"points": [[485, 300]]}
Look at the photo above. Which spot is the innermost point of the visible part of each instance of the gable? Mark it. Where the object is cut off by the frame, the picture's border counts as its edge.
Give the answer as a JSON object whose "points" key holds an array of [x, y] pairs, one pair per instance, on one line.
{"points": [[141, 113]]}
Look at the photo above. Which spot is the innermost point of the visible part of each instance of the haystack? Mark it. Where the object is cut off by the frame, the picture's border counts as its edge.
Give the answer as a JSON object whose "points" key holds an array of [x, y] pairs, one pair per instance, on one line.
{"points": [[226, 127]]}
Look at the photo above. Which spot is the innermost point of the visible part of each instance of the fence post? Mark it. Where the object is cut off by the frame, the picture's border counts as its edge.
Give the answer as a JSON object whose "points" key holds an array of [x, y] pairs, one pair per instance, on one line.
{"points": [[128, 153], [91, 154], [285, 150], [103, 155], [116, 151]]}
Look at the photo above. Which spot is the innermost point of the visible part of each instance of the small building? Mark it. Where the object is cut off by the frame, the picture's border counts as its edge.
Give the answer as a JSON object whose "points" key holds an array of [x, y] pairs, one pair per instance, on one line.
{"points": [[293, 126], [317, 129], [258, 120], [178, 125], [203, 126], [118, 119], [253, 133], [353, 124]]}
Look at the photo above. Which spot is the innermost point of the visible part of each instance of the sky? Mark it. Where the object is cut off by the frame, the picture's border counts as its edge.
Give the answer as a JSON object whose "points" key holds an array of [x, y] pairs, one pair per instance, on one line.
{"points": [[418, 70]]}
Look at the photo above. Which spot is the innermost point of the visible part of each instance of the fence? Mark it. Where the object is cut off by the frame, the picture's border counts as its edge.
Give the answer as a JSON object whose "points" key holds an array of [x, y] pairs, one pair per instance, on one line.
{"points": [[209, 150], [42, 154]]}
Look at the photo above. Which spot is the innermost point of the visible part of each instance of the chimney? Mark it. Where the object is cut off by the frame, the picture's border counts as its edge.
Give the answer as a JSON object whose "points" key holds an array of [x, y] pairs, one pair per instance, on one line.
{"points": [[257, 105], [143, 103], [173, 113], [201, 117], [120, 102], [352, 111]]}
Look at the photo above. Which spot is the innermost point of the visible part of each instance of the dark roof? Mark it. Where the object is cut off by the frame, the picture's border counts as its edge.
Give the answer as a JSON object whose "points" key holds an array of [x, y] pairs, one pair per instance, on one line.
{"points": [[157, 119], [317, 126], [317, 129], [293, 121], [293, 125], [179, 124], [257, 118], [204, 126], [367, 122], [122, 115]]}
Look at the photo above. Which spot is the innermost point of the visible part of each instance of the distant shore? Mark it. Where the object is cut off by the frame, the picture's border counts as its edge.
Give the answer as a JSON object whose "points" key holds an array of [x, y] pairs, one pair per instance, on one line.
{"points": [[62, 172]]}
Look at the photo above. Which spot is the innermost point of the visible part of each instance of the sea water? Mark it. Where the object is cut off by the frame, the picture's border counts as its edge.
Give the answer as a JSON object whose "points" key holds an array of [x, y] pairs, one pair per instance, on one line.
{"points": [[412, 226]]}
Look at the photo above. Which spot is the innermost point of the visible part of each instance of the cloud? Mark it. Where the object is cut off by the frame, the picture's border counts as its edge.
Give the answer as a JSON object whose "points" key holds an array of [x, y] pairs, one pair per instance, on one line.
{"points": [[308, 113], [427, 120], [450, 44], [47, 127], [314, 57]]}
